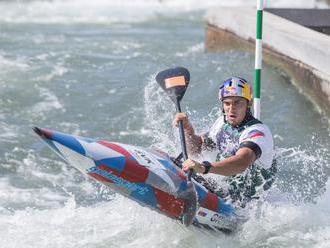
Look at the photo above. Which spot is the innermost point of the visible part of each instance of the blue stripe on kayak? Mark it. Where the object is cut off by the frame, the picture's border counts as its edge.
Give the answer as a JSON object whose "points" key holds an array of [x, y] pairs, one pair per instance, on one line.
{"points": [[225, 208], [169, 165], [117, 163], [183, 186], [201, 192], [148, 197], [68, 141]]}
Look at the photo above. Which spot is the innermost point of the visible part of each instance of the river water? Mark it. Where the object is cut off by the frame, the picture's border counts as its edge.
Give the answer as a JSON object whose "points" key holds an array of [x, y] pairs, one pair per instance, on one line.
{"points": [[88, 68]]}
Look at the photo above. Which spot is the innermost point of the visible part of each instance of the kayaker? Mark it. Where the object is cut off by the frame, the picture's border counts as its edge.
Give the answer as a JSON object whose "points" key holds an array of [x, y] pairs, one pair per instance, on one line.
{"points": [[244, 145]]}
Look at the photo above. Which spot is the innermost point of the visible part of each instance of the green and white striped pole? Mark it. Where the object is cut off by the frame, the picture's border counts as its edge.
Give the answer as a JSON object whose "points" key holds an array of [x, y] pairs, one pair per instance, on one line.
{"points": [[258, 61]]}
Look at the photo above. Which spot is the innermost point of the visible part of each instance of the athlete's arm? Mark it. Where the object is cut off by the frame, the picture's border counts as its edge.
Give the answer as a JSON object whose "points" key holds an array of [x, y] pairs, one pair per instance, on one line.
{"points": [[194, 142], [230, 166], [236, 164]]}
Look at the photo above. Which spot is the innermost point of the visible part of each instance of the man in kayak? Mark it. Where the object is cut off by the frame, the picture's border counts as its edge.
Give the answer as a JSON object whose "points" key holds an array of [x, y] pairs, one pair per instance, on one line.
{"points": [[244, 145]]}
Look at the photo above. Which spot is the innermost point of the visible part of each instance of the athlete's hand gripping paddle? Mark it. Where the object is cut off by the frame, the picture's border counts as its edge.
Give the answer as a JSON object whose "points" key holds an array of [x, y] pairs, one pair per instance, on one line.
{"points": [[174, 82]]}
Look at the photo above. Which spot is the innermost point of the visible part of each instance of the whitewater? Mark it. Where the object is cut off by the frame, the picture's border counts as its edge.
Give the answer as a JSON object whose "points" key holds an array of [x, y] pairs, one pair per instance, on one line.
{"points": [[88, 68]]}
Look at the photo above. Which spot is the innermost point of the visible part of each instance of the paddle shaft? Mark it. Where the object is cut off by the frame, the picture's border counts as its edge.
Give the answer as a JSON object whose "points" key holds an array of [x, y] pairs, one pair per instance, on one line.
{"points": [[183, 139]]}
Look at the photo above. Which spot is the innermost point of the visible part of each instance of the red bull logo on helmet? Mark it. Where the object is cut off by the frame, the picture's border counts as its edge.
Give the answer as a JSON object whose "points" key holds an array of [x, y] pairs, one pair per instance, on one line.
{"points": [[231, 91], [235, 87]]}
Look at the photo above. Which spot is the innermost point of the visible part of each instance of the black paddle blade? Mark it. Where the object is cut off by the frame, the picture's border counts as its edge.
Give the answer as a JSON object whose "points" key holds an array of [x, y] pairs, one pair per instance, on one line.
{"points": [[174, 82], [191, 206]]}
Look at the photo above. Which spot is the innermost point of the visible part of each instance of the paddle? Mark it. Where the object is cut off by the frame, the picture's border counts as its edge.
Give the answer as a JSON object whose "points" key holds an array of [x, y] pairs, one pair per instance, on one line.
{"points": [[174, 82]]}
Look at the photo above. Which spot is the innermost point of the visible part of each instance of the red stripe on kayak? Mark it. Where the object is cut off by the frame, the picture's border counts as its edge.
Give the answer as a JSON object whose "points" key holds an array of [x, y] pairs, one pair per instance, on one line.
{"points": [[115, 147], [211, 202], [169, 204], [44, 132], [133, 172]]}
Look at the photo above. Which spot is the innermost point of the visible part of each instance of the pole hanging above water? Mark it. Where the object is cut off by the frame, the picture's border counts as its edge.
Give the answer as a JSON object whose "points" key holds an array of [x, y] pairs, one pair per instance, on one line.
{"points": [[258, 61]]}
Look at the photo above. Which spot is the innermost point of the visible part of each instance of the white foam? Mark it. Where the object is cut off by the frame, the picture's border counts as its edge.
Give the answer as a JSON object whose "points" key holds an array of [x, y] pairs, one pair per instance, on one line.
{"points": [[324, 200], [42, 39], [50, 102], [57, 71], [10, 64], [8, 133], [196, 49], [284, 224], [156, 102], [111, 11], [120, 222]]}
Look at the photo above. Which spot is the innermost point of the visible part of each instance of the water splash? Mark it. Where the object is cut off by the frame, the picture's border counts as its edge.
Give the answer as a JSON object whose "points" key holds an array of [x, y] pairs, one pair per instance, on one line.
{"points": [[112, 11], [156, 101], [303, 172]]}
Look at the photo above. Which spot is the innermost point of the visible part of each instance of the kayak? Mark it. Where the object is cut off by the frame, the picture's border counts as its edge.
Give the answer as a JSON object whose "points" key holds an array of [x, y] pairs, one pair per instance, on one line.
{"points": [[147, 176]]}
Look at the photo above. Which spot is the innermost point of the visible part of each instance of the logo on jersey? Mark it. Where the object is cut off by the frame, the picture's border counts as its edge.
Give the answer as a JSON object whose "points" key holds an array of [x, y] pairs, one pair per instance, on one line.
{"points": [[254, 133]]}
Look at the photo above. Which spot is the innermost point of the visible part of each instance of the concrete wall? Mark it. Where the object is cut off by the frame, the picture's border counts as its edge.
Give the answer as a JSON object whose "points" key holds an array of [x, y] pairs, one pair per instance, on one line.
{"points": [[303, 53]]}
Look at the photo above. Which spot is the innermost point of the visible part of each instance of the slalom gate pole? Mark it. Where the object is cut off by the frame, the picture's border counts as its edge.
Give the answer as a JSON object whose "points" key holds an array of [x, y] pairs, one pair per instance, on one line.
{"points": [[258, 61]]}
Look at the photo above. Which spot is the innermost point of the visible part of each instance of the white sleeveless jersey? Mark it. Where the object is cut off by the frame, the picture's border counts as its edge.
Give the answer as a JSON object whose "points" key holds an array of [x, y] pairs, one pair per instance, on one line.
{"points": [[258, 134]]}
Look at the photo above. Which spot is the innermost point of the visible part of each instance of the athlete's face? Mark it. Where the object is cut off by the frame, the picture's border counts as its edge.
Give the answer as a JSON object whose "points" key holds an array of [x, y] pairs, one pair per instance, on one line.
{"points": [[235, 109]]}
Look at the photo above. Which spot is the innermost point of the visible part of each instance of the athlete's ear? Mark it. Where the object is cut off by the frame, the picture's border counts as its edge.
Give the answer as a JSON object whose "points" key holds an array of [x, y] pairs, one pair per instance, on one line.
{"points": [[250, 107], [250, 103]]}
